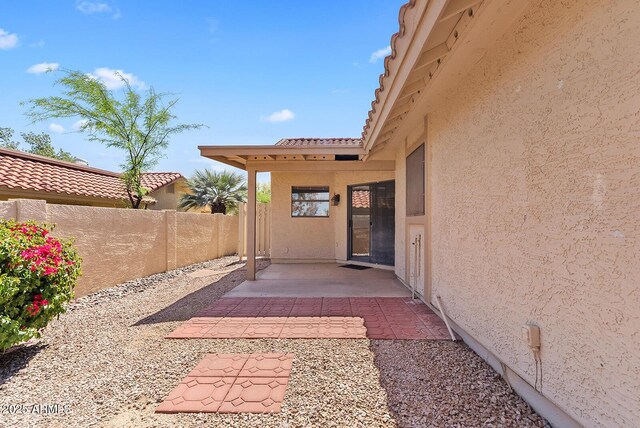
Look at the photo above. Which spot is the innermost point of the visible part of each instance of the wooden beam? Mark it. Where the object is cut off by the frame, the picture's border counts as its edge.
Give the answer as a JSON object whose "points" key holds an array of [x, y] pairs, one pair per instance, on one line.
{"points": [[312, 166], [228, 161], [457, 6], [432, 55], [412, 88]]}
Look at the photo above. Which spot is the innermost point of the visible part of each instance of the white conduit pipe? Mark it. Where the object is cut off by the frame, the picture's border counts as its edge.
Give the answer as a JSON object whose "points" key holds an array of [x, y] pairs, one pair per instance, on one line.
{"points": [[444, 317]]}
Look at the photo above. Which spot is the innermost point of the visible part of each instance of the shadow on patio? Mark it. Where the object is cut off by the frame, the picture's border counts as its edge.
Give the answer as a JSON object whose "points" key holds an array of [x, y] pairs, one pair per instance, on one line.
{"points": [[189, 305]]}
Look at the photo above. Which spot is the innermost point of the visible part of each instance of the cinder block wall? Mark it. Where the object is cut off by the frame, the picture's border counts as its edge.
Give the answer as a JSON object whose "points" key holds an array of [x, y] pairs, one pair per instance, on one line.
{"points": [[118, 245]]}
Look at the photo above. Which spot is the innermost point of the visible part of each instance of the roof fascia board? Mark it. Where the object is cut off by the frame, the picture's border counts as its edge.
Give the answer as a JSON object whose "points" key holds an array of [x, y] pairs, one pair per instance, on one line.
{"points": [[429, 19], [210, 151]]}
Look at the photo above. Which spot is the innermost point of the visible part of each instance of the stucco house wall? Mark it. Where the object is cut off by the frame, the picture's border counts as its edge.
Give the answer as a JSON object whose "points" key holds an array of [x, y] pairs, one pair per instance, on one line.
{"points": [[313, 238], [535, 181]]}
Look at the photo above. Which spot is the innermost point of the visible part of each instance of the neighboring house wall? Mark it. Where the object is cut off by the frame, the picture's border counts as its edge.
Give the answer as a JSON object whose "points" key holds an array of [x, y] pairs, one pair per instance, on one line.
{"points": [[118, 245], [536, 203], [313, 238], [168, 197]]}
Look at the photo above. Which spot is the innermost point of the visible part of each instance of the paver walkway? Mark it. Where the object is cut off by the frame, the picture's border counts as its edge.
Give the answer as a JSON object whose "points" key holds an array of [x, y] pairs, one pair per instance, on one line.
{"points": [[314, 317], [232, 383]]}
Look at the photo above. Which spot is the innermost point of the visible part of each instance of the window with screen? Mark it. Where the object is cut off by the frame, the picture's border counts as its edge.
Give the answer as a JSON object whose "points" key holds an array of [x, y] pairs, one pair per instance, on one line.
{"points": [[415, 182], [310, 201]]}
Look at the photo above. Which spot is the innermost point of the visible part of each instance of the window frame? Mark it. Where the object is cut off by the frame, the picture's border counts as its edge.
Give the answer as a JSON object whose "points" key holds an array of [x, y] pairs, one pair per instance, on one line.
{"points": [[318, 189], [421, 179]]}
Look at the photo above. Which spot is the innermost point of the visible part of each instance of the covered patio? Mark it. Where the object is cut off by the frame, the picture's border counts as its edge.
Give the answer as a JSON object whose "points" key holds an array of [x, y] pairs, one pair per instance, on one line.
{"points": [[321, 280]]}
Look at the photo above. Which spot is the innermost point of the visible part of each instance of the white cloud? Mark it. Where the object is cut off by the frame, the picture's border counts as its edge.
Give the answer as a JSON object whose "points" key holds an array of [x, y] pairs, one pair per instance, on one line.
{"points": [[38, 44], [43, 67], [279, 116], [339, 91], [90, 7], [8, 41], [77, 126], [112, 78], [54, 127], [379, 54]]}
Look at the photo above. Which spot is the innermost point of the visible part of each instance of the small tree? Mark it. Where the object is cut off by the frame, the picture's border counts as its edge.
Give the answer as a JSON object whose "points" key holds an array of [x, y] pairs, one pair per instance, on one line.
{"points": [[6, 139], [139, 126], [263, 193], [220, 191]]}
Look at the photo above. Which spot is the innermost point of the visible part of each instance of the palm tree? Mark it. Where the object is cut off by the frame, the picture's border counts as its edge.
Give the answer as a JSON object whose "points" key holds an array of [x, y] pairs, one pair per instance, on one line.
{"points": [[220, 191]]}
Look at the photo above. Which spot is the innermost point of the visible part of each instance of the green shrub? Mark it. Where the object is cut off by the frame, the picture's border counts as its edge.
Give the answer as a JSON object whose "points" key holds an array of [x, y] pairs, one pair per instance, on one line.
{"points": [[37, 275]]}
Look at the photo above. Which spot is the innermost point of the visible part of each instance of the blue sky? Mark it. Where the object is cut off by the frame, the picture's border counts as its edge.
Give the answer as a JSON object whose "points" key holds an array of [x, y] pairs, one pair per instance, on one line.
{"points": [[252, 71]]}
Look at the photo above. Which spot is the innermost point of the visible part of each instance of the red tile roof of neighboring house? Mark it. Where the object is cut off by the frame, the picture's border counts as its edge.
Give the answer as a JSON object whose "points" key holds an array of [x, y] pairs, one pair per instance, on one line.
{"points": [[19, 170], [306, 142], [360, 199], [156, 180]]}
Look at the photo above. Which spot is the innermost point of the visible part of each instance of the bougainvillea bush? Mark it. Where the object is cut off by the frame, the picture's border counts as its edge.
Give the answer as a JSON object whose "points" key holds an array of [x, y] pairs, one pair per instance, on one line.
{"points": [[37, 275]]}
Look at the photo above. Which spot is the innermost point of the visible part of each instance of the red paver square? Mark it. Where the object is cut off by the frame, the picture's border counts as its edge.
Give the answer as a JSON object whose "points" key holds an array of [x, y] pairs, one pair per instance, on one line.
{"points": [[268, 365], [254, 383], [409, 332], [380, 333], [228, 328], [300, 330], [255, 395], [197, 394], [220, 365], [263, 330], [190, 331]]}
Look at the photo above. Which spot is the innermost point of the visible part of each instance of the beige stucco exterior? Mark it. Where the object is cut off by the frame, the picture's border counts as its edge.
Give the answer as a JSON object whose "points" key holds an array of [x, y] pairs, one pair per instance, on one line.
{"points": [[535, 202], [118, 245], [325, 238]]}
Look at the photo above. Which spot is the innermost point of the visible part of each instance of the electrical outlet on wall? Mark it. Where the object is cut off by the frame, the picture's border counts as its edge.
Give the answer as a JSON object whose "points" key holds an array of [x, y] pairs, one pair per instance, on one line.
{"points": [[531, 335]]}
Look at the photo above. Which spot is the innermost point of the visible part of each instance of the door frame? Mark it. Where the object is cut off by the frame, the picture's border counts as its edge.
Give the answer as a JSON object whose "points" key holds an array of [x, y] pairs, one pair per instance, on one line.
{"points": [[350, 223]]}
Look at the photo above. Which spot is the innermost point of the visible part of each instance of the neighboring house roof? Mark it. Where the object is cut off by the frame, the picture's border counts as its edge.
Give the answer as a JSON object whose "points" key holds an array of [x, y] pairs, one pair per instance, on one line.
{"points": [[306, 142], [156, 180], [360, 199], [19, 170]]}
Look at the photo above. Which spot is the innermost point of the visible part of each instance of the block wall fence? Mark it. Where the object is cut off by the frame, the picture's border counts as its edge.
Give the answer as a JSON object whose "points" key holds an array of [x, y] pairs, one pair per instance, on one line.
{"points": [[118, 245]]}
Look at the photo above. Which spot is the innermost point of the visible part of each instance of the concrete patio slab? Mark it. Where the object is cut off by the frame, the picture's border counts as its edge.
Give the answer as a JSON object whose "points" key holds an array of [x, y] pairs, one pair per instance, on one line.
{"points": [[320, 280]]}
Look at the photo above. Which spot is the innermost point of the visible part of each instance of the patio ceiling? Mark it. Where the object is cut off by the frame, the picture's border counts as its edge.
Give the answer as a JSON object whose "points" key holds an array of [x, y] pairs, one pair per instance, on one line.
{"points": [[316, 157]]}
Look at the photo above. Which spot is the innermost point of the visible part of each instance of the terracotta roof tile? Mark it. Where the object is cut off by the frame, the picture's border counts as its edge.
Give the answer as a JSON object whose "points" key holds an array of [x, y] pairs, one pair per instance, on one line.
{"points": [[20, 170], [306, 142], [360, 199]]}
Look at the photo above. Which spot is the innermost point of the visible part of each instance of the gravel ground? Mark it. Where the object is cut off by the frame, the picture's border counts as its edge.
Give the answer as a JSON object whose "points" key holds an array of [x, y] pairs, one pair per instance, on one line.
{"points": [[105, 363]]}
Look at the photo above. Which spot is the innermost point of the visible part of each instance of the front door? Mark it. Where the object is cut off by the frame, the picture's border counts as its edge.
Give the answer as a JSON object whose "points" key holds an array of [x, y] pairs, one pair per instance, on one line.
{"points": [[372, 222]]}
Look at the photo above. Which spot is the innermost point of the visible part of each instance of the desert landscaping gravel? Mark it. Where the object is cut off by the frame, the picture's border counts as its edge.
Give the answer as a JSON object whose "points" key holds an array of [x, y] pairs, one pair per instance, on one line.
{"points": [[106, 363]]}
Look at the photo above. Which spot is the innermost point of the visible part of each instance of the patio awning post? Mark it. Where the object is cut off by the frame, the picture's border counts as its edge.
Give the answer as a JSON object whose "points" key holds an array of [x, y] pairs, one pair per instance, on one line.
{"points": [[251, 224]]}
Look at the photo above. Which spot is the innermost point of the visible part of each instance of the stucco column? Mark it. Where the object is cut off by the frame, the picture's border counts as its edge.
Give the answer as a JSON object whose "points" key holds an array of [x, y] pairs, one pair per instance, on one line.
{"points": [[171, 239], [251, 225]]}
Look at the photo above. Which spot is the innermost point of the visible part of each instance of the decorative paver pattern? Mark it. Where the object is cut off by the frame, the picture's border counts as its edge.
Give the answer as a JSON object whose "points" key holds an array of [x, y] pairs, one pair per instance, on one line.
{"points": [[311, 317], [232, 383]]}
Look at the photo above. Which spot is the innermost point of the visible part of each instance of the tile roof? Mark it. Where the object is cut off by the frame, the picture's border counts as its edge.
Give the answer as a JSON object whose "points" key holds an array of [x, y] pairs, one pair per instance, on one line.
{"points": [[156, 180], [360, 199], [19, 170], [306, 142]]}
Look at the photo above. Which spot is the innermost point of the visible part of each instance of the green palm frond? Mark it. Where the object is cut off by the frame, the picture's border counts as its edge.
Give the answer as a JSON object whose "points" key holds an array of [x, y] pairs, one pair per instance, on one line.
{"points": [[221, 191]]}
